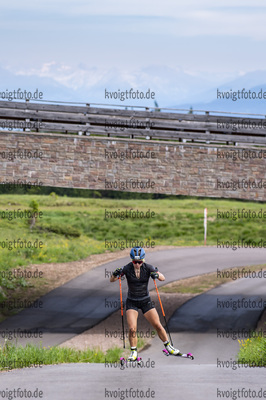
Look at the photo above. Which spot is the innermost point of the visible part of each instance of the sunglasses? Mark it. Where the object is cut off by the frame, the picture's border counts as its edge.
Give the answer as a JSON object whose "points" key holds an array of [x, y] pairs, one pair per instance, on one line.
{"points": [[137, 262]]}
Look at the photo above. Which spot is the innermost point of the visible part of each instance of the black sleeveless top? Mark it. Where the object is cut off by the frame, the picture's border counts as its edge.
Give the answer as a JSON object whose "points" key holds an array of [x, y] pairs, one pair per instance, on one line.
{"points": [[138, 288]]}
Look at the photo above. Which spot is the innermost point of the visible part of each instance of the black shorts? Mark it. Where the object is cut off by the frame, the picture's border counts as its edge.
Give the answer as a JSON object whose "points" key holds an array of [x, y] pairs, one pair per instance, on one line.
{"points": [[144, 305]]}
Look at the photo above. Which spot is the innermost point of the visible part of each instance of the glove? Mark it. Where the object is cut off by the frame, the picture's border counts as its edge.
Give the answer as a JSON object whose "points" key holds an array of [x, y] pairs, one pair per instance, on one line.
{"points": [[117, 272], [154, 275]]}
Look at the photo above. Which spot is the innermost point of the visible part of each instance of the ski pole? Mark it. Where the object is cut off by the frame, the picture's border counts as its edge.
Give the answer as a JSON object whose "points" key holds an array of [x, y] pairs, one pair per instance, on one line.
{"points": [[122, 311], [162, 310]]}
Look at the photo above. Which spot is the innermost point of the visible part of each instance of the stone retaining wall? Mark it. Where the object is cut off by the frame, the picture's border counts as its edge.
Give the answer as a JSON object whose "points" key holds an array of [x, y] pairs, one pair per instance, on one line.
{"points": [[133, 165]]}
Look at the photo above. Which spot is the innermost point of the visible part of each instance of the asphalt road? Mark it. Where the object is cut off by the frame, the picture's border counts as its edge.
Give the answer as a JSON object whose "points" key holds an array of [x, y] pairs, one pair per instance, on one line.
{"points": [[88, 299], [213, 374], [210, 325], [97, 382], [237, 304]]}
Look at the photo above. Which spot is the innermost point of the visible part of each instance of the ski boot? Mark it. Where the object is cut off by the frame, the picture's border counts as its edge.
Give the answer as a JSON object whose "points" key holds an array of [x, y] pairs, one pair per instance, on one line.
{"points": [[132, 358], [171, 351]]}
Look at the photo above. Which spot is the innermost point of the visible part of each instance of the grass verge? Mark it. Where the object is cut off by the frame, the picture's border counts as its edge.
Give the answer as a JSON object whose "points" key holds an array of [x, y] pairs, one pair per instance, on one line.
{"points": [[252, 352], [72, 229], [12, 356]]}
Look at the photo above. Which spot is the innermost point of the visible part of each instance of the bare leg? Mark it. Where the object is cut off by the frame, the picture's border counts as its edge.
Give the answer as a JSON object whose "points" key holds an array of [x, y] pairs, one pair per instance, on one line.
{"points": [[132, 318], [153, 318]]}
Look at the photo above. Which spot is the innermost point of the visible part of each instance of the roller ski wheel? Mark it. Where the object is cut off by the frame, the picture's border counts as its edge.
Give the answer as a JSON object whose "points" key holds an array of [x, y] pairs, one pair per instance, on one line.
{"points": [[184, 355], [123, 361]]}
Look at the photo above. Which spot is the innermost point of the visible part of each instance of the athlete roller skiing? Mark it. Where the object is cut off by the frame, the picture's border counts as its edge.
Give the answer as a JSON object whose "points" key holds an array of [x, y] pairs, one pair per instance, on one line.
{"points": [[138, 273]]}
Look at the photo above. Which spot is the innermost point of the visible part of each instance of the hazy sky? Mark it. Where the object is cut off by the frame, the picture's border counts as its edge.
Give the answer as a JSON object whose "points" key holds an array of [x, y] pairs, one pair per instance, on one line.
{"points": [[180, 49], [194, 35]]}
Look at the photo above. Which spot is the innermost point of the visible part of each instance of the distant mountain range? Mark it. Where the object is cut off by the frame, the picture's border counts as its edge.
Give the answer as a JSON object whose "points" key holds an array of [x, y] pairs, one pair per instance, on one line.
{"points": [[255, 82], [172, 87]]}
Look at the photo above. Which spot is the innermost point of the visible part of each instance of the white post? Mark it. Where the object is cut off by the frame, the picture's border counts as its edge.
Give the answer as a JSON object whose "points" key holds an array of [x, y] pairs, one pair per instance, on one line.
{"points": [[205, 226]]}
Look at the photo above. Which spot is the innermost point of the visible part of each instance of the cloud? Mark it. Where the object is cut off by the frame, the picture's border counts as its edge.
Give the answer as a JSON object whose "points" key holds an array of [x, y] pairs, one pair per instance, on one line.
{"points": [[190, 19], [167, 8], [219, 36], [239, 23]]}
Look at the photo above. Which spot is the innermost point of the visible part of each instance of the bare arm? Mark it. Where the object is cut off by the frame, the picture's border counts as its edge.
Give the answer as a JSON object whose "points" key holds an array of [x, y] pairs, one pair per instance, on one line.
{"points": [[161, 277], [113, 278]]}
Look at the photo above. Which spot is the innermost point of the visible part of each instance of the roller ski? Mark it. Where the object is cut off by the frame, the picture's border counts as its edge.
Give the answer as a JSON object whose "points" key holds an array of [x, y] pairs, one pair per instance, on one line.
{"points": [[171, 351], [133, 358]]}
